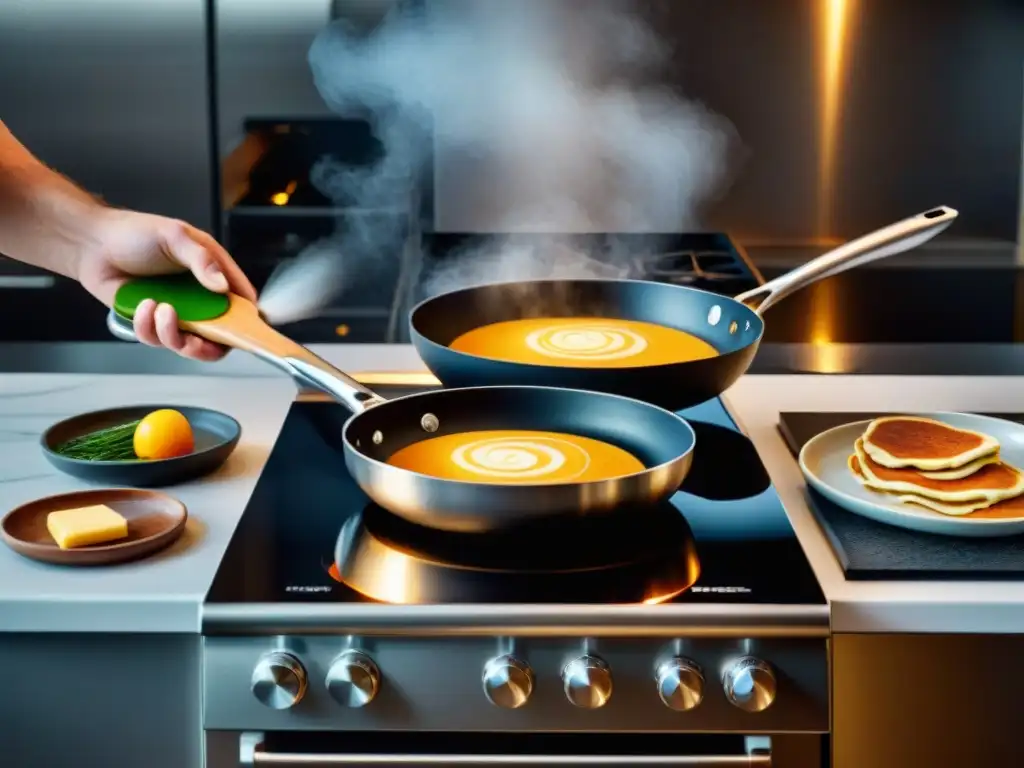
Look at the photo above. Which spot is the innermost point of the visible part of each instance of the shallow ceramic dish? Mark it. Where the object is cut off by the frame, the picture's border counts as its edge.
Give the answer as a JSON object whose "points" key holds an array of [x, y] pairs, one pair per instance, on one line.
{"points": [[823, 463], [216, 435], [155, 520]]}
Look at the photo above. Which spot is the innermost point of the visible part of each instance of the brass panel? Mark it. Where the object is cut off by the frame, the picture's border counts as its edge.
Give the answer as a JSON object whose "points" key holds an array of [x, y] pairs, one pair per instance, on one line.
{"points": [[941, 701]]}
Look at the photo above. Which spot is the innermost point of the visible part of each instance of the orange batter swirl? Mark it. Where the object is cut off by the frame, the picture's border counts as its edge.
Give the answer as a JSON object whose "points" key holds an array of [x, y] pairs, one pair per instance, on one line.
{"points": [[583, 342], [516, 456]]}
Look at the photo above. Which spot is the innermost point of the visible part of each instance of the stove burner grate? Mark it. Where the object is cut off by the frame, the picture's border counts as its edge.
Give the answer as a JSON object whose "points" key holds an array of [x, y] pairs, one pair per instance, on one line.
{"points": [[688, 267]]}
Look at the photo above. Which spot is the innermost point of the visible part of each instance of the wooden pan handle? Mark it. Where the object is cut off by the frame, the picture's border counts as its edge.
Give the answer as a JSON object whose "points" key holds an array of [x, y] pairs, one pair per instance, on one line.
{"points": [[234, 321], [242, 327]]}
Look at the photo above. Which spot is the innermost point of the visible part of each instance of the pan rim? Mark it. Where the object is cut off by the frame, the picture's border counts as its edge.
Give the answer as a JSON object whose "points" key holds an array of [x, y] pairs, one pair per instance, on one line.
{"points": [[417, 333], [384, 466]]}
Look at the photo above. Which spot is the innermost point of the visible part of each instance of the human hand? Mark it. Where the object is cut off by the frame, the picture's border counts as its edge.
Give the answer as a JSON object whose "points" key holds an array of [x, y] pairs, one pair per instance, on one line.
{"points": [[129, 244]]}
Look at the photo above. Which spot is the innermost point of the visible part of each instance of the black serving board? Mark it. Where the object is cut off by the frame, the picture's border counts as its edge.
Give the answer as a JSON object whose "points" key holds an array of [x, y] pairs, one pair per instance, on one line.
{"points": [[871, 551]]}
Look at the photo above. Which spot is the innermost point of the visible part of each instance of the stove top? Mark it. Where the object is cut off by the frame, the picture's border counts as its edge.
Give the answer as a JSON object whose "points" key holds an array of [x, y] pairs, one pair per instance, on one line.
{"points": [[309, 535], [711, 261]]}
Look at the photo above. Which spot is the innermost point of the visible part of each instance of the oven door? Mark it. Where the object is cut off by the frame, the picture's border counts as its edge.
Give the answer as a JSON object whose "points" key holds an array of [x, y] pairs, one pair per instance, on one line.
{"points": [[402, 750]]}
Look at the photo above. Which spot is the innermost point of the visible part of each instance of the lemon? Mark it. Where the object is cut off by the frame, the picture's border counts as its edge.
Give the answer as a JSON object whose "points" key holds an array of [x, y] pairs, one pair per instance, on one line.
{"points": [[163, 434]]}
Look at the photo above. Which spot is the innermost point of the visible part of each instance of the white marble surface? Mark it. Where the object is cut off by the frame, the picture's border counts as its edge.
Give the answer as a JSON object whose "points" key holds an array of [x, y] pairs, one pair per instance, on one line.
{"points": [[879, 606], [162, 593]]}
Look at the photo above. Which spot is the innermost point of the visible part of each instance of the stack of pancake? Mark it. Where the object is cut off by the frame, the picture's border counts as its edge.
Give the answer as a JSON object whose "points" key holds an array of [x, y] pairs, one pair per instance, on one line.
{"points": [[934, 465]]}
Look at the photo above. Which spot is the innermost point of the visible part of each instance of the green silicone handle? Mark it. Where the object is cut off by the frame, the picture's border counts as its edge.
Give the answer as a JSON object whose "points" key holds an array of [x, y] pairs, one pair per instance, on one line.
{"points": [[190, 299]]}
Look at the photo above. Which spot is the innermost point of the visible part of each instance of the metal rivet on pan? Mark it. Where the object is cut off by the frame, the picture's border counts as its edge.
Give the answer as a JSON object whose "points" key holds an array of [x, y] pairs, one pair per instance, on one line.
{"points": [[748, 326], [715, 315], [378, 438], [733, 326], [429, 422]]}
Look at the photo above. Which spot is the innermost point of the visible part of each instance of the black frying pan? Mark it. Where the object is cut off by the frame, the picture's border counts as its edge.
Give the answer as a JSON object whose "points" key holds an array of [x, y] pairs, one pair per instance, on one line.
{"points": [[733, 326], [661, 440]]}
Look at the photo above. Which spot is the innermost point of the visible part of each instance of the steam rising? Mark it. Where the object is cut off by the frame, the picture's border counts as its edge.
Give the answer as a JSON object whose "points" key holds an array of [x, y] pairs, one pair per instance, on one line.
{"points": [[540, 117]]}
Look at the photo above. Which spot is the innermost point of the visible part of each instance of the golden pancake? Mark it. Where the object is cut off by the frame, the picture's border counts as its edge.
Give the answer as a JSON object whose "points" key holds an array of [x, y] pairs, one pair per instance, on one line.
{"points": [[911, 441], [1007, 509], [583, 342], [516, 456], [1011, 508], [991, 483], [960, 472]]}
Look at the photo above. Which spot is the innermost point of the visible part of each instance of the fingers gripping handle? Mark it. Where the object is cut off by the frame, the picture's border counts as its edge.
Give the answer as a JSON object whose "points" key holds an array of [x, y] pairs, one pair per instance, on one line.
{"points": [[239, 325]]}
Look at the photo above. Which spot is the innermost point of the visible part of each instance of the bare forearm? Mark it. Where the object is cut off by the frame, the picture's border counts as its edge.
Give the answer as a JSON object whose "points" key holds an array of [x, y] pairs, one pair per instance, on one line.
{"points": [[45, 219]]}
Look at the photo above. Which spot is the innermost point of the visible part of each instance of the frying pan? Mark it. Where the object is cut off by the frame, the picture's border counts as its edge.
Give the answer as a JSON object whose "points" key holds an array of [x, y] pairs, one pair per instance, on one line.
{"points": [[661, 440], [733, 326]]}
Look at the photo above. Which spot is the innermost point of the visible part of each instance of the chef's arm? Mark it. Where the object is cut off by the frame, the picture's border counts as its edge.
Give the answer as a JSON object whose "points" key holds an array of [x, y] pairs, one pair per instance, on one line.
{"points": [[45, 219]]}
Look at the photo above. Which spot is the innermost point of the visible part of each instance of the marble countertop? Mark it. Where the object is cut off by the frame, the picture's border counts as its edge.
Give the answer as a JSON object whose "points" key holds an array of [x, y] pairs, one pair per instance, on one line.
{"points": [[164, 593], [879, 606]]}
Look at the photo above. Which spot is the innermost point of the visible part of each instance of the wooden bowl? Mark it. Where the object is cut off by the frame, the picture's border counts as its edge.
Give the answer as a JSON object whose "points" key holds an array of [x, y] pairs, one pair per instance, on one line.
{"points": [[155, 520]]}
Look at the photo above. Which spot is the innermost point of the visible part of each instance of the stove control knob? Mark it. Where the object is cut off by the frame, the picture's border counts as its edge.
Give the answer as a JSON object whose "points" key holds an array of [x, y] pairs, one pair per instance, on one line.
{"points": [[353, 679], [680, 684], [750, 684], [279, 680], [508, 682], [587, 682]]}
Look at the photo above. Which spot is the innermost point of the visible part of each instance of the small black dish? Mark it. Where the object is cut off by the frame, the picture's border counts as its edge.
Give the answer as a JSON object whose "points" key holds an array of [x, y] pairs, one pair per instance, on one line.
{"points": [[216, 435]]}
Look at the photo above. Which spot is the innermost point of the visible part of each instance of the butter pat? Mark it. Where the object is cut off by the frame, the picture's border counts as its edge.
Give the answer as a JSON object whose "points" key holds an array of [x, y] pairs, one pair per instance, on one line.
{"points": [[85, 526]]}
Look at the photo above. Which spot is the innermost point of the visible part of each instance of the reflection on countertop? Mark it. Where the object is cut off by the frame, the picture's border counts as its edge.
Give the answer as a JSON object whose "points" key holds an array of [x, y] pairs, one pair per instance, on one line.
{"points": [[904, 305]]}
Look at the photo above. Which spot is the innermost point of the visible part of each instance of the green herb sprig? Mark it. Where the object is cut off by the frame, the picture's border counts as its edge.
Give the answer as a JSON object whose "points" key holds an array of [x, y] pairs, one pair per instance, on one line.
{"points": [[110, 444]]}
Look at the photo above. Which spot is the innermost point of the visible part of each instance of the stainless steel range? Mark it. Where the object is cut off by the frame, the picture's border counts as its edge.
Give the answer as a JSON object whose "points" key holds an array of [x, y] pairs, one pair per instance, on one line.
{"points": [[336, 634]]}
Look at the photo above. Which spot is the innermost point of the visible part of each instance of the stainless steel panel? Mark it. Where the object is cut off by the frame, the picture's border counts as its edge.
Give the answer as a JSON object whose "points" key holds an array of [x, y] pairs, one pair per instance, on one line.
{"points": [[532, 620], [123, 701], [261, 48], [435, 685], [261, 65], [113, 93], [851, 113]]}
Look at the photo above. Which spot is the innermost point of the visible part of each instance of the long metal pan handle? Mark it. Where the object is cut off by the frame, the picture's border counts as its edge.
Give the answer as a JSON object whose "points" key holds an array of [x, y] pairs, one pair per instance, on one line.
{"points": [[896, 238], [252, 752], [297, 361], [757, 760]]}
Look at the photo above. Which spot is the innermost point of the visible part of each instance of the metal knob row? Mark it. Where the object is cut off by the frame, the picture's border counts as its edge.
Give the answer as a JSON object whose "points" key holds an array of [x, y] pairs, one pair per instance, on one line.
{"points": [[749, 683], [279, 680]]}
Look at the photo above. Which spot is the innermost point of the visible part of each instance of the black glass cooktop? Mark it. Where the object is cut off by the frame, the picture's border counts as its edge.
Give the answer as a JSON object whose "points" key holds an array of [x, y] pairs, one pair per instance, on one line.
{"points": [[309, 534]]}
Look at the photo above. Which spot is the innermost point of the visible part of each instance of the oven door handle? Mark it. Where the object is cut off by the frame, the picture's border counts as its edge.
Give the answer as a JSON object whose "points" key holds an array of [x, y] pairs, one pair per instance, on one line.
{"points": [[252, 753]]}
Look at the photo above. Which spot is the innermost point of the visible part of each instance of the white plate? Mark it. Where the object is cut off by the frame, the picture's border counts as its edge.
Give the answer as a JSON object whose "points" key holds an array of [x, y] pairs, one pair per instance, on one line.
{"points": [[823, 463]]}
